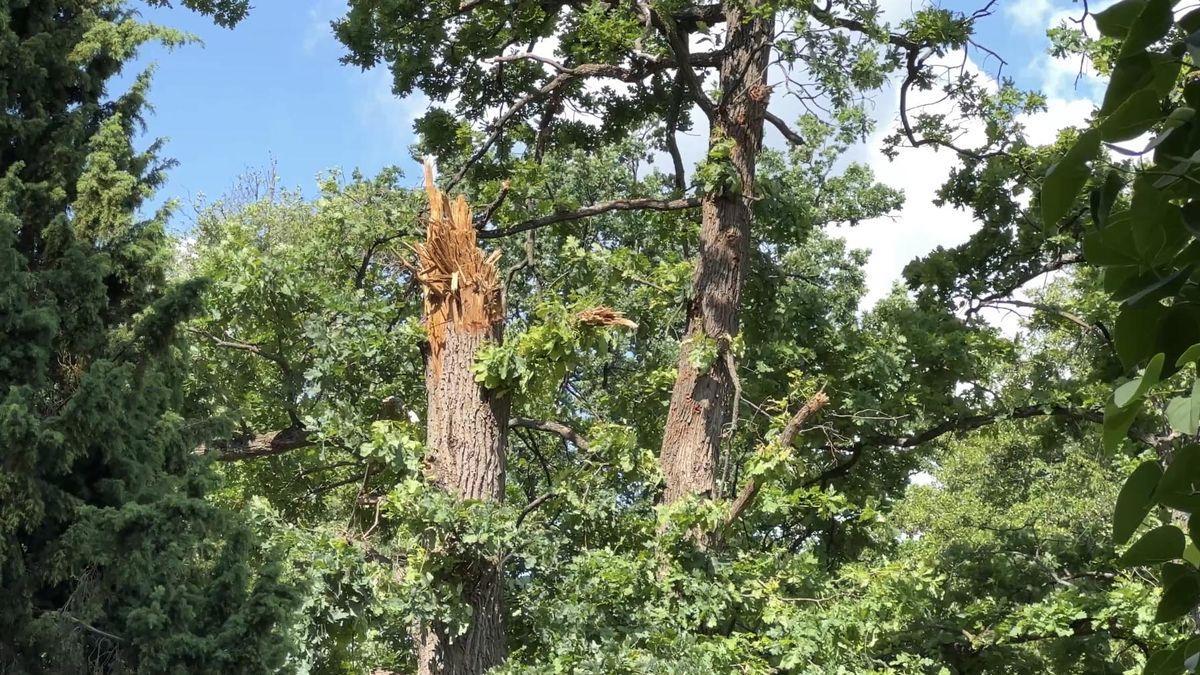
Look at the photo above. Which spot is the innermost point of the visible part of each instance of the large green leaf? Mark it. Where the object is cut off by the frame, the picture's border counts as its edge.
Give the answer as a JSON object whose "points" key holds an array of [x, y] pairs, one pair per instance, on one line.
{"points": [[1189, 355], [1117, 421], [1157, 224], [1115, 21], [1183, 412], [1065, 179], [1135, 500], [1180, 484], [1178, 330], [1138, 386], [1149, 26], [1134, 116], [1178, 118], [1173, 660], [1104, 197], [1139, 71], [1191, 217], [1189, 22], [1153, 286], [1180, 595], [1162, 544], [1112, 245], [1137, 332]]}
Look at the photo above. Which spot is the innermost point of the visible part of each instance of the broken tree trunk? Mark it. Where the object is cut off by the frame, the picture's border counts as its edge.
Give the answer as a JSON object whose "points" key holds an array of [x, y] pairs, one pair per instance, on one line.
{"points": [[468, 424], [702, 399]]}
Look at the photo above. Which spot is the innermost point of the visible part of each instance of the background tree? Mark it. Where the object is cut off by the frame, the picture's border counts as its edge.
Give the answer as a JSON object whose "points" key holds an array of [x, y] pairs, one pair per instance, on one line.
{"points": [[111, 558]]}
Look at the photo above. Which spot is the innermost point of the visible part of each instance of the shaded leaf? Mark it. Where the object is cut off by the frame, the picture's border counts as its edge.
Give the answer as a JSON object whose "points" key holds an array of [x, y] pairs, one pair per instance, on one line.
{"points": [[1180, 484], [1179, 597], [1183, 412], [1066, 177], [1159, 545], [1135, 500], [1138, 386]]}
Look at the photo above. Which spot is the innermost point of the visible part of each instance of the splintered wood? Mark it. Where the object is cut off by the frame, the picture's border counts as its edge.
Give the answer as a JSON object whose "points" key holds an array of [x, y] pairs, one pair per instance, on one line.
{"points": [[461, 283], [604, 316]]}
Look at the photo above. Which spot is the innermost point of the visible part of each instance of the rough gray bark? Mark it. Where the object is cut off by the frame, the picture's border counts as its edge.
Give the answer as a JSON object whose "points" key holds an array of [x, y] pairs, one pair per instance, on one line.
{"points": [[467, 424], [701, 402]]}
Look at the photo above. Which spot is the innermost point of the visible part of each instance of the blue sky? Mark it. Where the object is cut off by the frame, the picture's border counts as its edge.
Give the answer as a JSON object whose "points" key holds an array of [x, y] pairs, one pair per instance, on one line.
{"points": [[273, 89]]}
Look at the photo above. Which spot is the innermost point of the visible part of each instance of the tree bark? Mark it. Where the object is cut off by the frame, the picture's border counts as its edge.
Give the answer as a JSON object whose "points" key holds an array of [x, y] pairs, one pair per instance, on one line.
{"points": [[467, 424], [702, 400]]}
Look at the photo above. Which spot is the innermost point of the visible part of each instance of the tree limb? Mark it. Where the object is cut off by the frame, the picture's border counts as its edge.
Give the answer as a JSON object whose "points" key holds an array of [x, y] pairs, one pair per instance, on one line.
{"points": [[569, 75], [786, 437], [959, 425], [679, 47], [788, 133], [552, 427], [1059, 312], [672, 143], [262, 445], [250, 347], [635, 204], [1063, 260], [533, 506]]}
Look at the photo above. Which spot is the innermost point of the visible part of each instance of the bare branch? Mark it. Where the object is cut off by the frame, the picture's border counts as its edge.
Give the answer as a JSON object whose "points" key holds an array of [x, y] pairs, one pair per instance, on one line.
{"points": [[552, 427], [672, 126], [636, 204], [569, 75], [679, 47], [360, 276], [1063, 314], [564, 78], [688, 17], [788, 133], [533, 506], [86, 625], [1068, 258], [262, 445], [958, 425], [483, 218], [854, 25]]}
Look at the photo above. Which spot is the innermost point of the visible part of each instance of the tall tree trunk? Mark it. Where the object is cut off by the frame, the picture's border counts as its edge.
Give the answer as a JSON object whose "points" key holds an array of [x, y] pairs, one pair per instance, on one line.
{"points": [[702, 400], [468, 424]]}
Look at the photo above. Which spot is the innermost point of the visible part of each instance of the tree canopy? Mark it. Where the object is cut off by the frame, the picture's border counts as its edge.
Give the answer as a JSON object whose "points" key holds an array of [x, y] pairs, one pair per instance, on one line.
{"points": [[574, 406]]}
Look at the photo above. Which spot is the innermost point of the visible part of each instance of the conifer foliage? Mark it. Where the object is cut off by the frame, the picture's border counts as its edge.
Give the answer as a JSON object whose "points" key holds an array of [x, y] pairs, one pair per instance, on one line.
{"points": [[111, 559]]}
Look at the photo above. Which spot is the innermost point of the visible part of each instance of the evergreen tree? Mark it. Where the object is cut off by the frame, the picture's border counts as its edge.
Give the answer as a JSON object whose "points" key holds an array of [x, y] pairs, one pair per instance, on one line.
{"points": [[111, 560]]}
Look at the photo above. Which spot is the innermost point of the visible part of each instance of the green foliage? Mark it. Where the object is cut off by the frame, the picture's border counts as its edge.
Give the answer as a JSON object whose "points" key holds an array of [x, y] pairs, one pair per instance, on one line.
{"points": [[303, 359], [1144, 245], [857, 572], [541, 354], [716, 175]]}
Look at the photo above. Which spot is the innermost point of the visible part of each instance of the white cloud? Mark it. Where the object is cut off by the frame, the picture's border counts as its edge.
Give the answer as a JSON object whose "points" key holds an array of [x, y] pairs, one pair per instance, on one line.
{"points": [[1029, 14], [920, 226], [1068, 77], [1043, 127]]}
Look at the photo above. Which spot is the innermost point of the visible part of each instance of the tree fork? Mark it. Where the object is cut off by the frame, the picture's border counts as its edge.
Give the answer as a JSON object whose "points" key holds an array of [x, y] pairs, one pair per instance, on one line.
{"points": [[467, 425], [702, 399]]}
